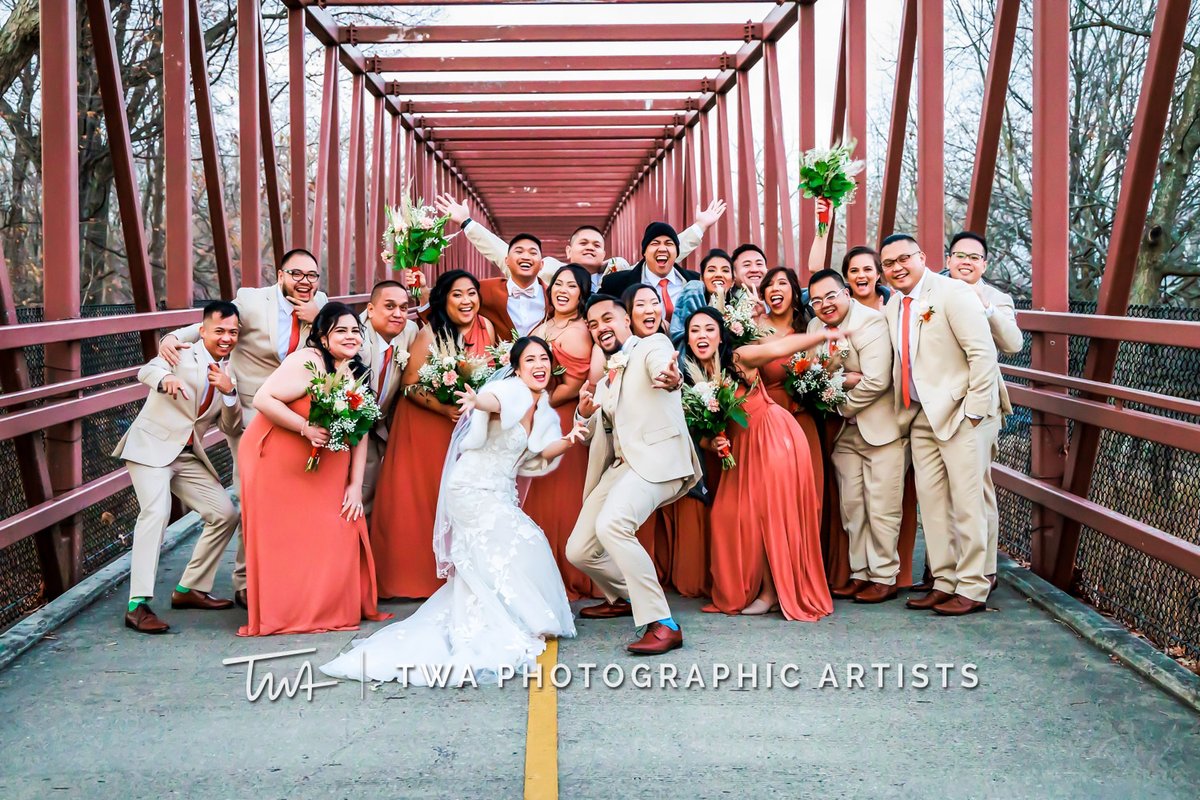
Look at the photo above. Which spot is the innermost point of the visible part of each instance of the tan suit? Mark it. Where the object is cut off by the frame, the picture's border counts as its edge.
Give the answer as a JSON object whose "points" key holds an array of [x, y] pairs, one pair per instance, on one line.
{"points": [[372, 354], [1008, 339], [641, 457], [954, 376], [253, 360], [495, 249], [869, 454], [161, 463]]}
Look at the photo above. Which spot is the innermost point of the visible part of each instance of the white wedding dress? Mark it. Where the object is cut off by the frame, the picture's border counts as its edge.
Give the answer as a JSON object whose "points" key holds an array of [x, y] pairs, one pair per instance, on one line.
{"points": [[503, 595]]}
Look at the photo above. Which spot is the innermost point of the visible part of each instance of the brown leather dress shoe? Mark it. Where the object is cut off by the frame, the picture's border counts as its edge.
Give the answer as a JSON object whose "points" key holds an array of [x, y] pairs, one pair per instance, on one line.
{"points": [[202, 600], [876, 593], [239, 597], [607, 610], [928, 601], [143, 620], [958, 606], [657, 639], [852, 588]]}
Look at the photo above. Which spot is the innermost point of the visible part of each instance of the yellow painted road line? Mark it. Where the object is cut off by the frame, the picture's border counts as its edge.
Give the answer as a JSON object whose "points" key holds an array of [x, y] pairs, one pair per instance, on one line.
{"points": [[541, 732]]}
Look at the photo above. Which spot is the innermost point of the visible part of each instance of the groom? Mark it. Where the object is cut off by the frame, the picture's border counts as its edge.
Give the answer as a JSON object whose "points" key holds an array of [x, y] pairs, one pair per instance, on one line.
{"points": [[641, 457]]}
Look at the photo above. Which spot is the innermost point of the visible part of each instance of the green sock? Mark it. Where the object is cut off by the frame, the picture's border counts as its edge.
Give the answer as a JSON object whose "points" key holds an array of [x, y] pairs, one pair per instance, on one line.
{"points": [[179, 587], [134, 602]]}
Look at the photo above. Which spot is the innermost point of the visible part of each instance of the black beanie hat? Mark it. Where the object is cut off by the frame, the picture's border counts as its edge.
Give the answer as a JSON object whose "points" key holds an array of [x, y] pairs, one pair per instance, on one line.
{"points": [[655, 230]]}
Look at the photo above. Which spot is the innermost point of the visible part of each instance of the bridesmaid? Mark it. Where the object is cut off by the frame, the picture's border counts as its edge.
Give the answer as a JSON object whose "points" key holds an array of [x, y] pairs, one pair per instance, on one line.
{"points": [[308, 563], [766, 550], [406, 494], [716, 274], [554, 500]]}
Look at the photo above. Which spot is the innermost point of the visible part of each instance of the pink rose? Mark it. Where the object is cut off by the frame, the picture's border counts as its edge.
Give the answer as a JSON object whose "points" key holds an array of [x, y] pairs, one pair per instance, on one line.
{"points": [[736, 328], [449, 377], [714, 405]]}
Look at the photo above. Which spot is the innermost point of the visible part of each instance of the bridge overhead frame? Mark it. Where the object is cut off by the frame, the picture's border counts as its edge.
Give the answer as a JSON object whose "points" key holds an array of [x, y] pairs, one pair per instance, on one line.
{"points": [[659, 149]]}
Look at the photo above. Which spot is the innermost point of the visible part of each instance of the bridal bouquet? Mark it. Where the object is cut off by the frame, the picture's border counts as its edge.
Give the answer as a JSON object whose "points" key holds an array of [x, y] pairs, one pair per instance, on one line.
{"points": [[342, 406], [449, 369], [816, 382], [414, 235], [829, 174], [500, 350], [741, 317], [709, 405]]}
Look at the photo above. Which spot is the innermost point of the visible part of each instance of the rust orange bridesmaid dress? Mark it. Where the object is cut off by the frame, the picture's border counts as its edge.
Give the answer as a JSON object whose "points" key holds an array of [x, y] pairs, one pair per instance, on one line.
{"points": [[835, 546], [554, 500], [407, 491], [308, 569], [769, 502]]}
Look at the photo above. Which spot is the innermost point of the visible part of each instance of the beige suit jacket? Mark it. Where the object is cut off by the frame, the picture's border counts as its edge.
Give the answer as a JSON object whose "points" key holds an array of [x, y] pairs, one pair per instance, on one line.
{"points": [[868, 350], [1003, 321], [161, 429], [955, 368], [648, 422], [256, 356], [372, 356], [495, 249]]}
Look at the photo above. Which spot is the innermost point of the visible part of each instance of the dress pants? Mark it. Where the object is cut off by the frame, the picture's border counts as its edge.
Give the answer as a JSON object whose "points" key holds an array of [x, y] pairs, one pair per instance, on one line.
{"points": [[988, 431], [871, 489], [189, 480], [604, 542], [950, 496]]}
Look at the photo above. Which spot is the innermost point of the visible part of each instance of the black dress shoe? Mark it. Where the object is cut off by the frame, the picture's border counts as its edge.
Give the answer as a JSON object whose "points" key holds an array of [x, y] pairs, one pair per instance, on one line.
{"points": [[239, 597]]}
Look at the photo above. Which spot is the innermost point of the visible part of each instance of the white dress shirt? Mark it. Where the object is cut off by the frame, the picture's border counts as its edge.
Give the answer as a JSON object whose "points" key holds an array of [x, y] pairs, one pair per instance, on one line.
{"points": [[675, 283], [913, 321], [205, 358], [527, 307], [283, 333]]}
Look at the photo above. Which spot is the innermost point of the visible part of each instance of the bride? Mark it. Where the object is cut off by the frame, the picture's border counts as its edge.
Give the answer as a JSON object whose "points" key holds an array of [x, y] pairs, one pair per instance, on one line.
{"points": [[503, 595]]}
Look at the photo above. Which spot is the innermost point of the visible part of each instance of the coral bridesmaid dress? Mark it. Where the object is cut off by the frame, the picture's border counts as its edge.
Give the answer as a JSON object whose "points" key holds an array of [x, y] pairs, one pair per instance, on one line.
{"points": [[769, 501], [308, 569], [407, 491], [835, 545], [689, 527], [554, 500]]}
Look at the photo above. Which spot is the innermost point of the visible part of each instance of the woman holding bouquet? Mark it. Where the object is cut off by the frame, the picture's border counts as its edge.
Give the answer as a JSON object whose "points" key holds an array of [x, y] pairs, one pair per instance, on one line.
{"points": [[554, 500], [716, 275], [308, 563], [766, 549], [406, 495]]}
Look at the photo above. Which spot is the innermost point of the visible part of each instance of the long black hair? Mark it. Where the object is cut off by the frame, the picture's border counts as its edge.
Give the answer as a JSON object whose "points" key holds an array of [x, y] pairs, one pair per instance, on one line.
{"points": [[439, 318], [327, 320], [734, 288], [724, 344], [628, 296], [582, 277], [801, 313]]}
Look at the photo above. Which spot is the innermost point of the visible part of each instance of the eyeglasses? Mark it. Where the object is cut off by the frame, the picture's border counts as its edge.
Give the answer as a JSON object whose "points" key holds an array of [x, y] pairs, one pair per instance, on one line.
{"points": [[974, 258], [901, 260], [817, 302], [303, 277]]}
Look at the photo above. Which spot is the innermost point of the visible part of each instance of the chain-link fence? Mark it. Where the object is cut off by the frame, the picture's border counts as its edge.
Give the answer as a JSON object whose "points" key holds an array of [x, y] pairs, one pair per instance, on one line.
{"points": [[1153, 483], [107, 525]]}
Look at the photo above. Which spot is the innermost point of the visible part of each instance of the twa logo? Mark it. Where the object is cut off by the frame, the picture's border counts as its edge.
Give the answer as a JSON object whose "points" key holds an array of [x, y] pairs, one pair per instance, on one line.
{"points": [[302, 681]]}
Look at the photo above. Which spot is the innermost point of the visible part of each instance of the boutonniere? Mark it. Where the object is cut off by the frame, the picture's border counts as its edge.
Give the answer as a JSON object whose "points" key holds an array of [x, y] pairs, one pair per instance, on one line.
{"points": [[400, 358], [616, 364], [610, 267], [925, 312]]}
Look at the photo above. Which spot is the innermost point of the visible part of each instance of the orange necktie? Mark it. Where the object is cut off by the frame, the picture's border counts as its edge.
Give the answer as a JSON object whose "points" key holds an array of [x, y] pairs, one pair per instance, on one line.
{"points": [[905, 356], [294, 339], [208, 398], [383, 371], [668, 306]]}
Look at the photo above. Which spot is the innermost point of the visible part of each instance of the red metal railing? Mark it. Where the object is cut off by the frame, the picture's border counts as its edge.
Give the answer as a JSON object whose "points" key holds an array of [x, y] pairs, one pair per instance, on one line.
{"points": [[661, 149]]}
